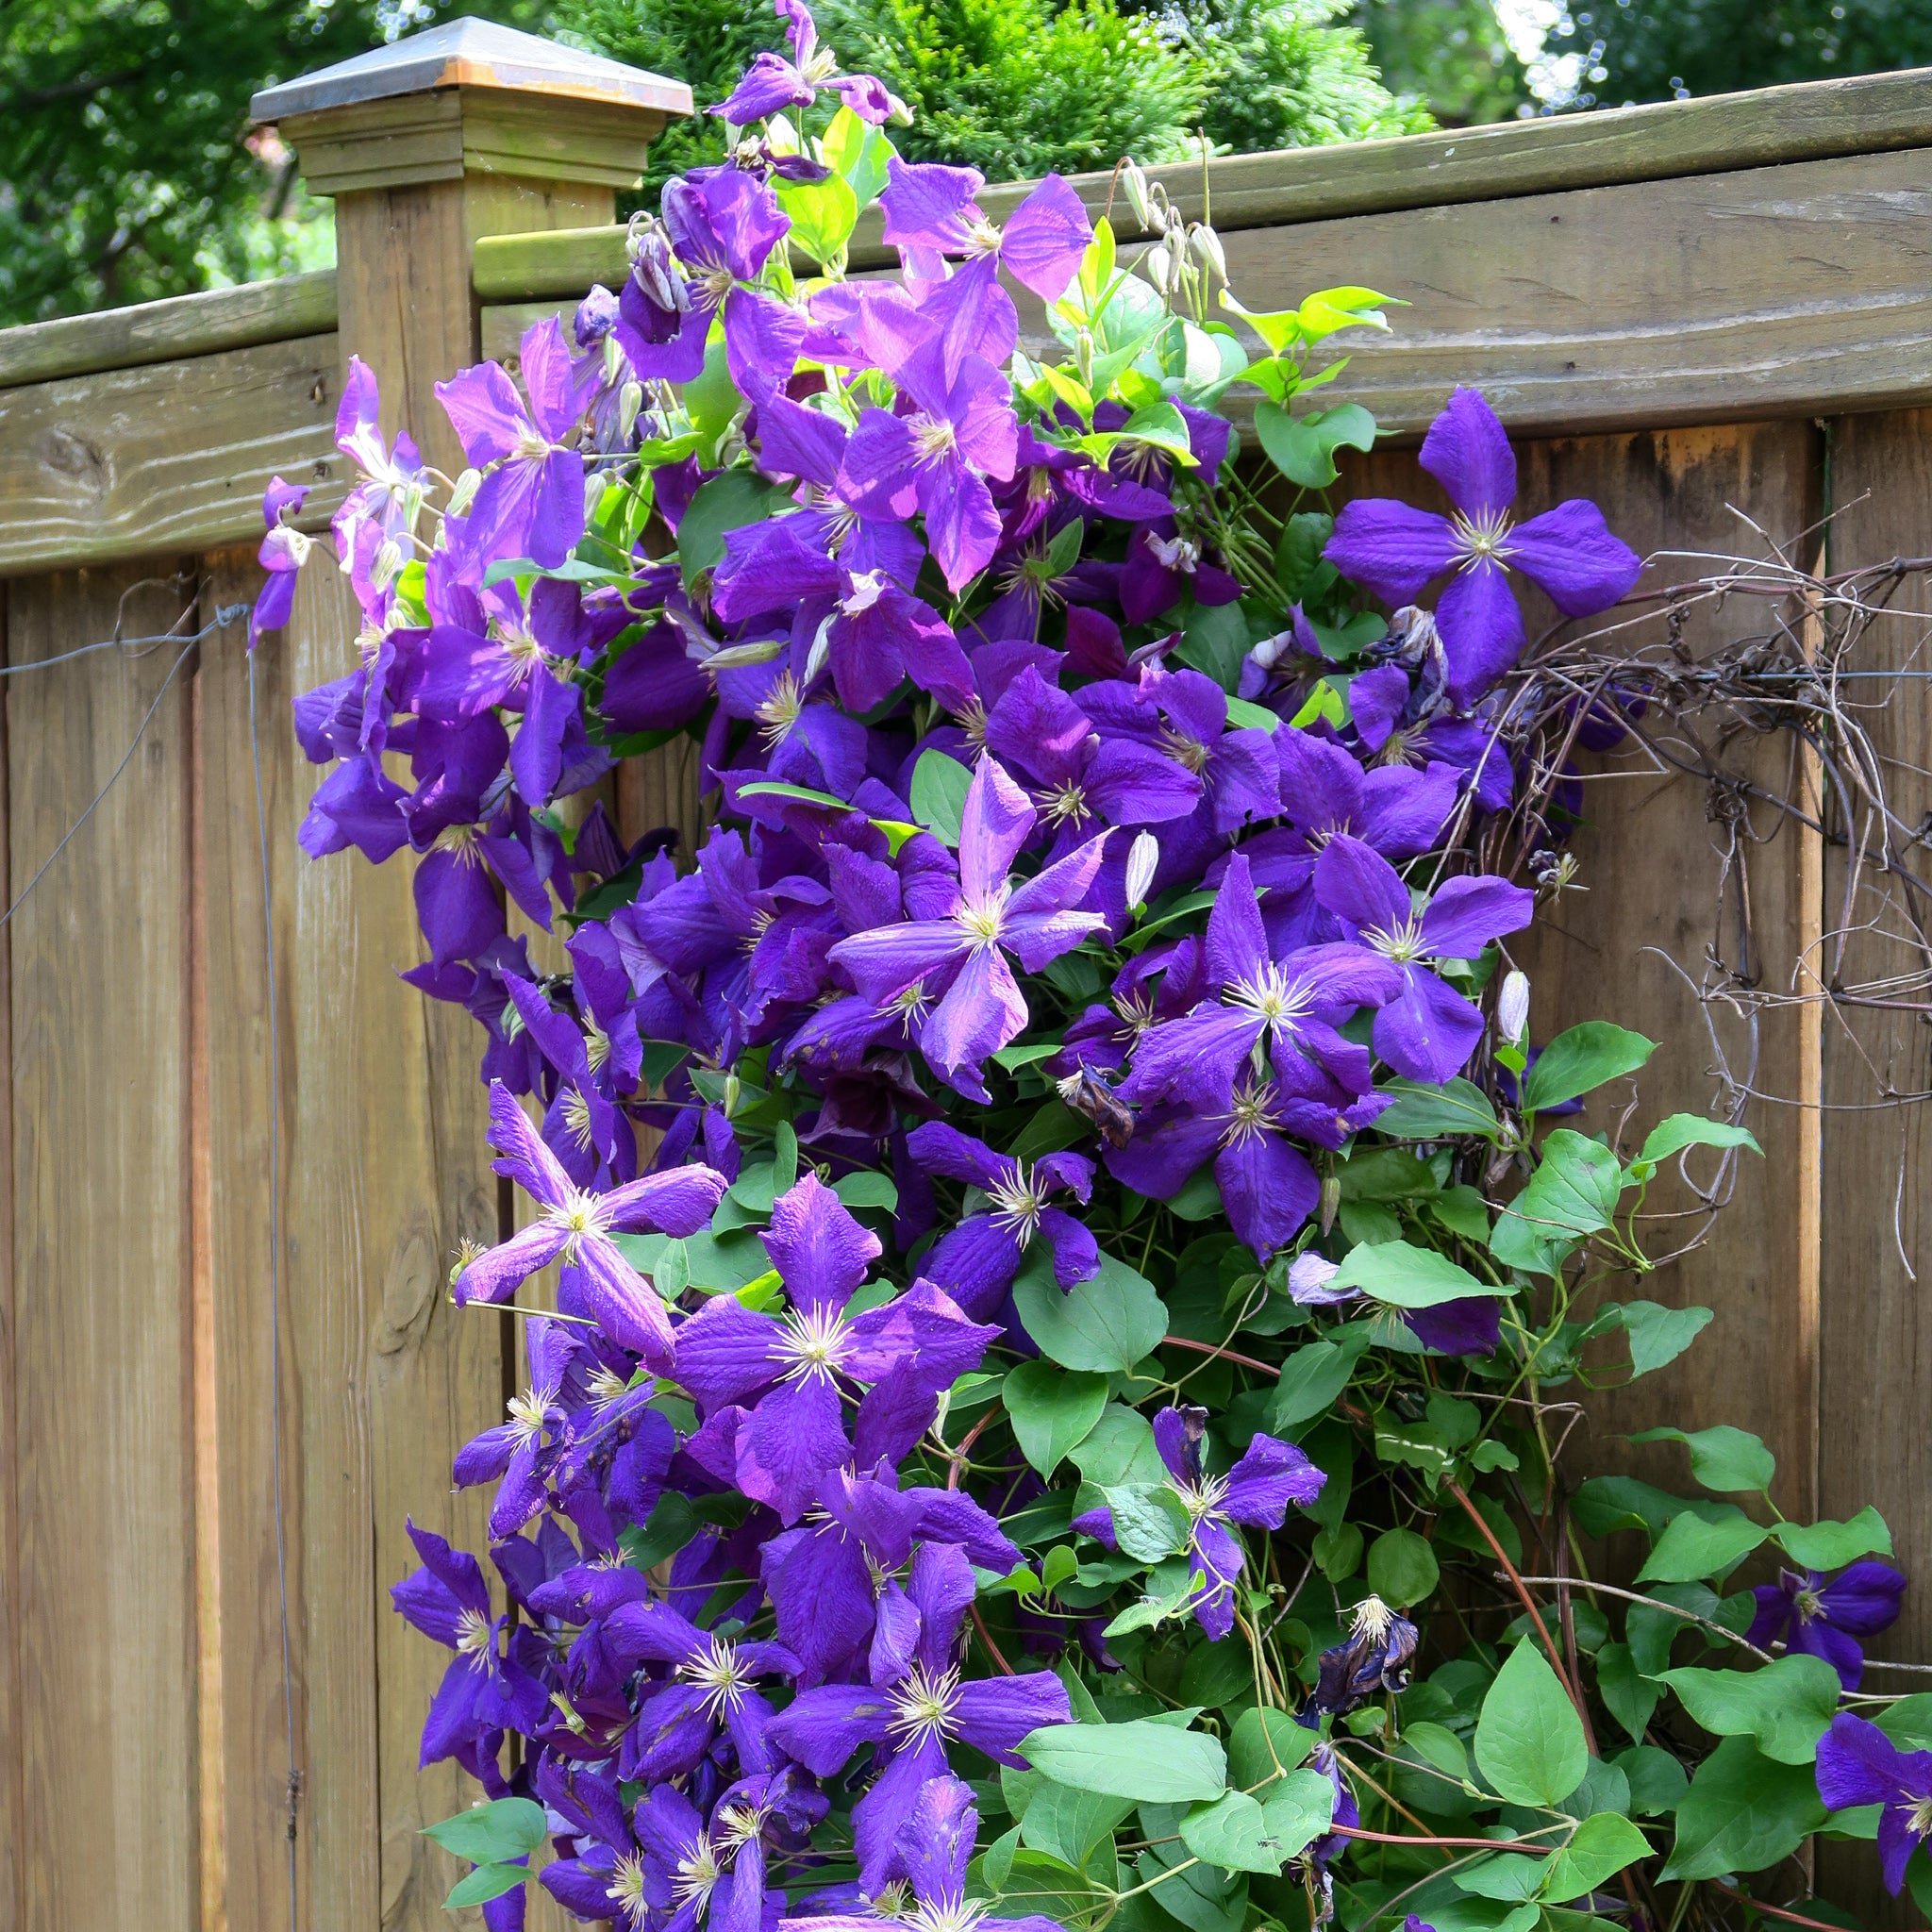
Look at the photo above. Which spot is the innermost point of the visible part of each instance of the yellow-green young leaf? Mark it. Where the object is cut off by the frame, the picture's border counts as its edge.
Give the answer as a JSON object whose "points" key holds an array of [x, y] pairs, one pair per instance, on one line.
{"points": [[1330, 310], [824, 213], [1530, 1741]]}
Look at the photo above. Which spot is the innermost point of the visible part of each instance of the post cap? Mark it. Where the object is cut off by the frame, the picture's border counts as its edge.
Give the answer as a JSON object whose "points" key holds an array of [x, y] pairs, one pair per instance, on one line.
{"points": [[471, 98], [472, 53]]}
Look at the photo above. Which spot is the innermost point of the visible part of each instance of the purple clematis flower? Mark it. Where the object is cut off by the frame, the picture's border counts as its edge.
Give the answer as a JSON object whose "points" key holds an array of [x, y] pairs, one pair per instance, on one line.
{"points": [[1374, 1656], [959, 957], [484, 1690], [514, 1451], [1857, 1764], [1568, 552], [931, 213], [931, 1853], [773, 82], [575, 1228], [911, 1718], [1257, 1492], [531, 500], [1804, 1612], [390, 492], [961, 431], [978, 1260], [283, 553], [1429, 1031]]}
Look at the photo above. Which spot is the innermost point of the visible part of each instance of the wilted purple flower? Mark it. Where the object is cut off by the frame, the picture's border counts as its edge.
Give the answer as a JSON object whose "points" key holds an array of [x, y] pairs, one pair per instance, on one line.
{"points": [[1394, 550], [576, 1227], [1802, 1611], [531, 500], [1428, 1031], [390, 492], [1257, 1492], [1373, 1657], [909, 1718], [959, 960], [1857, 1764]]}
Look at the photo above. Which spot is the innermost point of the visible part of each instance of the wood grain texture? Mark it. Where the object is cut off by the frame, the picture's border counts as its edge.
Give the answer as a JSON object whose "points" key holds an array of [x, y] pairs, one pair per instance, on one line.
{"points": [[200, 324], [12, 1443], [100, 1094], [235, 1254], [1877, 1342], [170, 457], [1649, 862]]}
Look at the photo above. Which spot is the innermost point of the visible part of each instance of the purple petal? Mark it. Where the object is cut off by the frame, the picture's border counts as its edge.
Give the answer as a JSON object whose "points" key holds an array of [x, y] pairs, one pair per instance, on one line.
{"points": [[1269, 1190], [980, 1013], [818, 1246], [1467, 452], [822, 1728], [1857, 1764], [1267, 1479], [1391, 548], [1570, 554], [1467, 913], [994, 1713], [993, 827], [1482, 629], [1429, 1030], [1355, 881], [1044, 238]]}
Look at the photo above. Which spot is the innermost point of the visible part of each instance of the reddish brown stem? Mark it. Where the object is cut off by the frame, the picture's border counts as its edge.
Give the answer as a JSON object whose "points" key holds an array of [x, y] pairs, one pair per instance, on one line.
{"points": [[1772, 1911], [992, 1649], [1528, 1603], [1407, 1837], [1227, 1355], [966, 1441]]}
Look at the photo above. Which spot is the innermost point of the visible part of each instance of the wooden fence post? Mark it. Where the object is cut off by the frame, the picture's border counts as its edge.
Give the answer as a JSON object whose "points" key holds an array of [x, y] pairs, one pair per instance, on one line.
{"points": [[467, 130]]}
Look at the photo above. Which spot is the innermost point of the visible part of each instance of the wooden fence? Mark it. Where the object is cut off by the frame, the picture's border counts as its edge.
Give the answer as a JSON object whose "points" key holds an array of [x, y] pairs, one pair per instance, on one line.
{"points": [[1688, 311]]}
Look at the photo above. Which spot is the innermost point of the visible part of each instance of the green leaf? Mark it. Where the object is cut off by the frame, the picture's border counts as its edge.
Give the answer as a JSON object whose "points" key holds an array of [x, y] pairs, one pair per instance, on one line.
{"points": [[485, 1883], [1409, 1277], [1721, 1459], [1631, 1697], [1403, 1568], [1580, 1059], [1691, 1548], [860, 152], [1681, 1130], [1120, 1448], [1150, 1522], [726, 503], [1265, 1745], [866, 1187], [491, 1833], [1310, 1380], [671, 1524], [1604, 1843], [1063, 1824], [1052, 1411], [799, 795], [939, 785], [1152, 1763], [1828, 1545], [1658, 1335], [1656, 1780], [1530, 1741], [1232, 1833], [1214, 640], [1429, 1114], [1743, 1811], [1331, 310], [1572, 1194], [1784, 1706], [1508, 1877], [1298, 1810], [1109, 1324], [1303, 447], [1243, 716]]}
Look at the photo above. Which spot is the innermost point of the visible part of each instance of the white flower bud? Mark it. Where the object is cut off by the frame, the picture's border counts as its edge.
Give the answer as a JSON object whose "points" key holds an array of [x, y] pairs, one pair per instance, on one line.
{"points": [[1143, 858], [464, 493], [1513, 1008], [1135, 182], [595, 483], [1208, 246], [630, 403], [385, 564], [1157, 265]]}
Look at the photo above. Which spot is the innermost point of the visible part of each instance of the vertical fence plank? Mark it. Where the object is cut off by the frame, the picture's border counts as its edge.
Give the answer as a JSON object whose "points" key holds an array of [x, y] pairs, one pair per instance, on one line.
{"points": [[388, 1169], [12, 1441], [101, 1122], [235, 1254], [1876, 1344]]}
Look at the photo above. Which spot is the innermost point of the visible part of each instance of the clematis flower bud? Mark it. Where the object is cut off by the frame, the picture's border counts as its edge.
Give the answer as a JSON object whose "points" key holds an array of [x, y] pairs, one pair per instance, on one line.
{"points": [[1513, 1008], [1157, 265], [630, 403], [387, 560], [1142, 859], [1135, 182], [595, 483], [1308, 1276], [1208, 246], [729, 1097], [464, 493]]}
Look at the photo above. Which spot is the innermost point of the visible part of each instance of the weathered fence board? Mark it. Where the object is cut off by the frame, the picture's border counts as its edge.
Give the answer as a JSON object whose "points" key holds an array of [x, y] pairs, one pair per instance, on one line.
{"points": [[102, 1400], [168, 455]]}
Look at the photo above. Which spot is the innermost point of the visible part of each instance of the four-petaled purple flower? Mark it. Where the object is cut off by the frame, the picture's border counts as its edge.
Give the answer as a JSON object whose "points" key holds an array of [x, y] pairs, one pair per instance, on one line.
{"points": [[1567, 552], [1857, 1765], [1804, 1612]]}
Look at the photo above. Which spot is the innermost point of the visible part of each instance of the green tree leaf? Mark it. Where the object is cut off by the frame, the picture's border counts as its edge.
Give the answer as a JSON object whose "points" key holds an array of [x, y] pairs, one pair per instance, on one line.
{"points": [[1658, 1335], [1409, 1277], [1572, 1196], [1052, 1411], [485, 1883], [1631, 1697], [1784, 1706], [940, 784], [1310, 1380], [1151, 1763], [1743, 1811], [1149, 1523], [1427, 1113], [1691, 1547], [1580, 1059], [1120, 1449], [1530, 1741], [1265, 1745], [1303, 447], [1721, 1459], [1231, 1833], [1604, 1843], [1108, 1324], [1403, 1568], [1828, 1545], [1681, 1130], [491, 1833]]}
